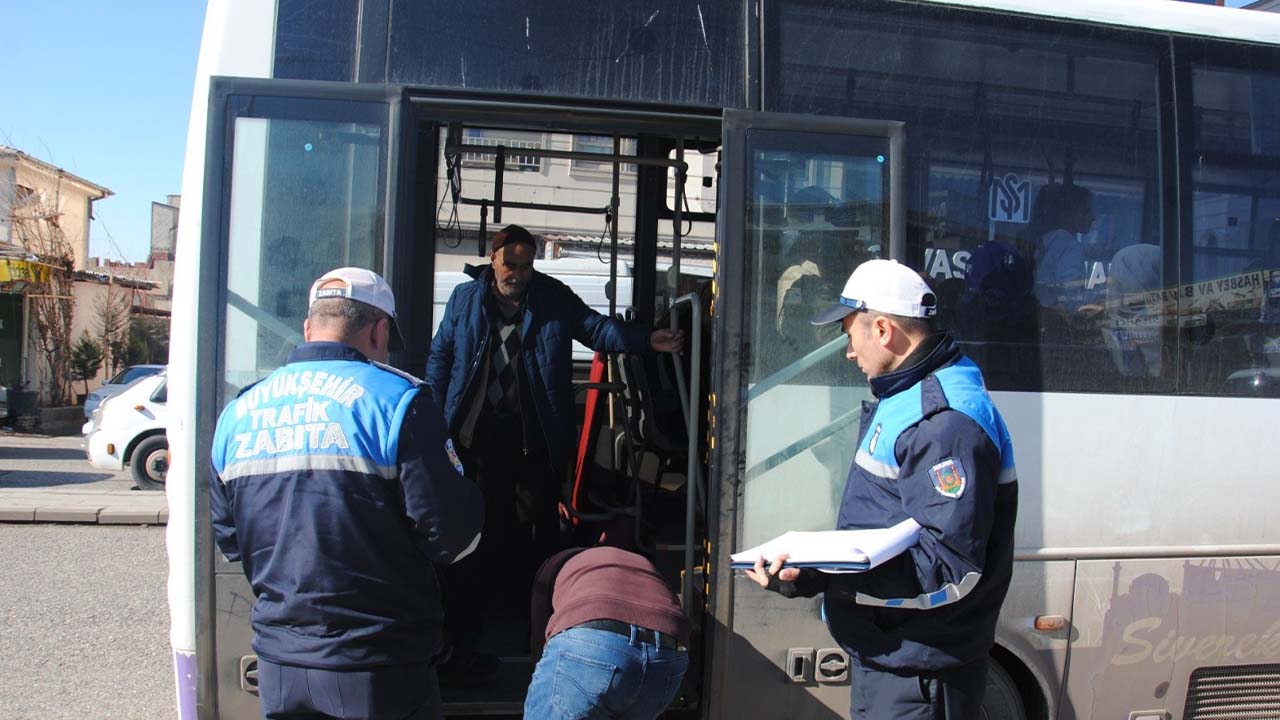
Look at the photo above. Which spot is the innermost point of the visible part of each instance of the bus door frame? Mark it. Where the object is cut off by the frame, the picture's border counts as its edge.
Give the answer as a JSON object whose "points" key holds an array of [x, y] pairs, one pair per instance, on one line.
{"points": [[731, 336], [231, 98], [433, 109]]}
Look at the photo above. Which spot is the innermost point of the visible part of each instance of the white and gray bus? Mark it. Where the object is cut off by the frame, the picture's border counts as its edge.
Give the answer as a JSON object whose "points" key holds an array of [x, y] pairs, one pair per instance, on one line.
{"points": [[1093, 188]]}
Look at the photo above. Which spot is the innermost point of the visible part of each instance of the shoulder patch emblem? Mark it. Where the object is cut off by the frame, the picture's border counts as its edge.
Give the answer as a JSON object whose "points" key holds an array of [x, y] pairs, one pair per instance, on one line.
{"points": [[875, 438], [948, 478], [453, 457]]}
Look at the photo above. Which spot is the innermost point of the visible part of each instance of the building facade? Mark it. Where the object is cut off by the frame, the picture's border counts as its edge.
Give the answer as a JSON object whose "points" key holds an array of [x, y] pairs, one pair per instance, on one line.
{"points": [[45, 213]]}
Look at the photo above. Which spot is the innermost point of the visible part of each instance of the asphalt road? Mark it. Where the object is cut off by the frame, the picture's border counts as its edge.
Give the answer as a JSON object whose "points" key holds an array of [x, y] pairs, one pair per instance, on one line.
{"points": [[36, 461], [84, 629]]}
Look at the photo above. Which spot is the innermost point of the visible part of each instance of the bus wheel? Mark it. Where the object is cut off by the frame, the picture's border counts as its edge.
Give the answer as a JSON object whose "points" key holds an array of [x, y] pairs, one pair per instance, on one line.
{"points": [[1002, 700], [150, 463]]}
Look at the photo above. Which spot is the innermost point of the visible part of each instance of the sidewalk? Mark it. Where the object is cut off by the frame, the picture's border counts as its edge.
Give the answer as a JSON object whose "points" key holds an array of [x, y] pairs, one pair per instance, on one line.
{"points": [[47, 479]]}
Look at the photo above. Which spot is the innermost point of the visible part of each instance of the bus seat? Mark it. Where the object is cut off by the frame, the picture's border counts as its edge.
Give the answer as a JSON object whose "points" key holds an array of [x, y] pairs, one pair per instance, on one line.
{"points": [[654, 414]]}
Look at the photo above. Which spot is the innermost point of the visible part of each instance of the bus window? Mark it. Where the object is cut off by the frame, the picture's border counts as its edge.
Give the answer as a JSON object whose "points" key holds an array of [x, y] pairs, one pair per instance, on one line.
{"points": [[1229, 309], [574, 246], [305, 197], [316, 40], [1033, 168], [574, 48], [817, 206]]}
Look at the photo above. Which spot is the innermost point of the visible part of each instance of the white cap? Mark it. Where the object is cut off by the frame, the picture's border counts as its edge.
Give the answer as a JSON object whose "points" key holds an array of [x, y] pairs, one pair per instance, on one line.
{"points": [[884, 285], [361, 285]]}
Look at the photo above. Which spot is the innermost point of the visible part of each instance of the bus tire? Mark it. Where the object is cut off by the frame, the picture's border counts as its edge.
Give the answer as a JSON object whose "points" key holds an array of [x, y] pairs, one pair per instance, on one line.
{"points": [[1001, 701], [150, 462]]}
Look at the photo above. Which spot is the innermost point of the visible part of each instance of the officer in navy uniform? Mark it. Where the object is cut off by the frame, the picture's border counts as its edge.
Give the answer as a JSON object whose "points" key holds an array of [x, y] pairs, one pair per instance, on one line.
{"points": [[336, 486], [932, 448]]}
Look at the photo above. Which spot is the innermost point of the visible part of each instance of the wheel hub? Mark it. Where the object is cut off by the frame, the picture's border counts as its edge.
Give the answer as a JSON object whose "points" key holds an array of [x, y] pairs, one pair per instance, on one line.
{"points": [[157, 465]]}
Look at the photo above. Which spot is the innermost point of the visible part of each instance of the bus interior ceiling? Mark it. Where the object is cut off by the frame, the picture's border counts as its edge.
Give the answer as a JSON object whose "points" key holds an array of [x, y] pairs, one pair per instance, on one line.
{"points": [[627, 222]]}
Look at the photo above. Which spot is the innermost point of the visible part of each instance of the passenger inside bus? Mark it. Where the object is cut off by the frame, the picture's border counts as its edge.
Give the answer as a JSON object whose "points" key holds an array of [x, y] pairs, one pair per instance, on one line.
{"points": [[509, 406], [1132, 328], [1061, 213], [997, 302], [805, 227]]}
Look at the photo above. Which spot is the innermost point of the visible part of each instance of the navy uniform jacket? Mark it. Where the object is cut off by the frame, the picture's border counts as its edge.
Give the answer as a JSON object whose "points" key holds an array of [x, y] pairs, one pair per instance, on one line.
{"points": [[336, 487], [935, 449], [553, 318]]}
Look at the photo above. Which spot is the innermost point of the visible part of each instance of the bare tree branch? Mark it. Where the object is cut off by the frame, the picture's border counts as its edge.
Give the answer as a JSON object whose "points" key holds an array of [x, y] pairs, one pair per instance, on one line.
{"points": [[37, 226]]}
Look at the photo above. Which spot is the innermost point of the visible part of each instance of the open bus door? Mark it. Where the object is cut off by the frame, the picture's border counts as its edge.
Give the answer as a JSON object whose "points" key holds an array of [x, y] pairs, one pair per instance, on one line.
{"points": [[804, 200], [300, 178], [493, 160], [303, 177]]}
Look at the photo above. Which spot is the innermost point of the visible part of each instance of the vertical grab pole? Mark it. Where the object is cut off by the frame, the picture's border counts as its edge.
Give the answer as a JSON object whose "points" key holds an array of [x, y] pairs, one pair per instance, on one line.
{"points": [[680, 173], [499, 168], [690, 407], [613, 294], [688, 400], [483, 238], [613, 230]]}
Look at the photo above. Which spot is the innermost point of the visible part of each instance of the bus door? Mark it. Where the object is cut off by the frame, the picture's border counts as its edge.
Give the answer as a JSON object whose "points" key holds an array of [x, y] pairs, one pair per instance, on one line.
{"points": [[805, 200], [302, 178], [599, 187]]}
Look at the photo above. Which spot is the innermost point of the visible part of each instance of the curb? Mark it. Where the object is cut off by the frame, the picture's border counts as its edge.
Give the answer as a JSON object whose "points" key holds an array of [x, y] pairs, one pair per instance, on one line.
{"points": [[105, 515]]}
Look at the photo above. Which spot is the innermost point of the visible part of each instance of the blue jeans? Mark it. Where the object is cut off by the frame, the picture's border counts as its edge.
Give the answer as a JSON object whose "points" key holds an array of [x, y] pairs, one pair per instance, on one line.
{"points": [[586, 673]]}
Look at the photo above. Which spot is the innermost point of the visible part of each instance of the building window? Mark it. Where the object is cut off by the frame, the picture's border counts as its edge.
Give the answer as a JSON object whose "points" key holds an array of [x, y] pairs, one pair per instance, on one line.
{"points": [[603, 145], [512, 140]]}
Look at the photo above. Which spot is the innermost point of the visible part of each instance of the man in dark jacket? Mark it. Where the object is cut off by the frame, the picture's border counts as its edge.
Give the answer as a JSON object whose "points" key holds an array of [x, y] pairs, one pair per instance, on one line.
{"points": [[933, 448], [336, 486], [501, 366]]}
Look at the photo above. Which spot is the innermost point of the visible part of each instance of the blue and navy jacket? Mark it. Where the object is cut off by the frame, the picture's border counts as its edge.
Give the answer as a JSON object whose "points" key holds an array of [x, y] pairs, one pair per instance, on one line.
{"points": [[553, 318], [933, 448], [336, 487]]}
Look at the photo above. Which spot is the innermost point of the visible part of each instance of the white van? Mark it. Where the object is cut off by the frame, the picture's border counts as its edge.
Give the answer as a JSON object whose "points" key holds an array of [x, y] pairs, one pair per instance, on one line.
{"points": [[588, 277]]}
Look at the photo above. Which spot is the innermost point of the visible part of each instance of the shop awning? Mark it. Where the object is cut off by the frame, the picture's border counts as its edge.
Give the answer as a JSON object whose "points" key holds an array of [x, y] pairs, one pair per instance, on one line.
{"points": [[17, 275]]}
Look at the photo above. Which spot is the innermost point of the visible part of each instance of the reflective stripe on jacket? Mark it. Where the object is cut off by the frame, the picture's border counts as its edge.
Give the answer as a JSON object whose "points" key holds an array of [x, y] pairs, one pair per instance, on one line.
{"points": [[934, 448], [336, 487]]}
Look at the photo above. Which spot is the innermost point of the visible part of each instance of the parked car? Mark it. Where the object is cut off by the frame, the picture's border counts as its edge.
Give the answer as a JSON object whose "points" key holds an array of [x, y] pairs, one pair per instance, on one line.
{"points": [[128, 428], [116, 384]]}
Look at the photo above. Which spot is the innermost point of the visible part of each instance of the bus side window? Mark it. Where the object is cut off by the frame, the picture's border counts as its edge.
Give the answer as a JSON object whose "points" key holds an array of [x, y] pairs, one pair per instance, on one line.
{"points": [[1229, 310], [1073, 295], [1033, 161]]}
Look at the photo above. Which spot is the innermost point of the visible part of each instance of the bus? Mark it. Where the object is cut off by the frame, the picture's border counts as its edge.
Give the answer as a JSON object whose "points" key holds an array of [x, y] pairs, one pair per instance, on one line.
{"points": [[1092, 187]]}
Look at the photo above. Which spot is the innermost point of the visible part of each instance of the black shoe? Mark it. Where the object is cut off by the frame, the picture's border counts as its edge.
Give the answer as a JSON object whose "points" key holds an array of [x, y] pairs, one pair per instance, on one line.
{"points": [[469, 670]]}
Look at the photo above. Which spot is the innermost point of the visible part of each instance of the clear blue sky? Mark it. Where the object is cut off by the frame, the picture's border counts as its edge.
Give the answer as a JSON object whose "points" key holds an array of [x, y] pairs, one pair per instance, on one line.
{"points": [[103, 89], [105, 93]]}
